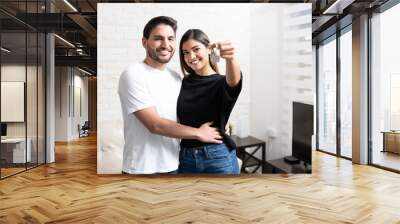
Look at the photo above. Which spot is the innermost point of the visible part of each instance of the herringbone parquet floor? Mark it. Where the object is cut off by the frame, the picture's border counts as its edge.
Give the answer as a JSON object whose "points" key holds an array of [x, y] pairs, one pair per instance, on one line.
{"points": [[70, 191]]}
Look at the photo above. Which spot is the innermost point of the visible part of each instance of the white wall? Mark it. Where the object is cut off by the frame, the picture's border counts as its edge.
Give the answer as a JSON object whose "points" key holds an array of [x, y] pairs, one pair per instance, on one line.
{"points": [[33, 126], [79, 117], [265, 64], [256, 31], [281, 58], [15, 72], [68, 81], [61, 103]]}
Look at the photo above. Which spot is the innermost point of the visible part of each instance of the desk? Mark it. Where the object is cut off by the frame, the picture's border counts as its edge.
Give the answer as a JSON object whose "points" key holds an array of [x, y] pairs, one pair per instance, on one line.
{"points": [[280, 166], [13, 150], [247, 142], [391, 141]]}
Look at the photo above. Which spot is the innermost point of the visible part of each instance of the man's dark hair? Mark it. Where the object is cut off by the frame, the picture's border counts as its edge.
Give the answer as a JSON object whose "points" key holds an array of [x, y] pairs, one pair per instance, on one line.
{"points": [[157, 21]]}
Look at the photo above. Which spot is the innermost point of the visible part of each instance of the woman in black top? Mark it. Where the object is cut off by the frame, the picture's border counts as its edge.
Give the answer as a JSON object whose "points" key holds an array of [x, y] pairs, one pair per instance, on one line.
{"points": [[207, 96]]}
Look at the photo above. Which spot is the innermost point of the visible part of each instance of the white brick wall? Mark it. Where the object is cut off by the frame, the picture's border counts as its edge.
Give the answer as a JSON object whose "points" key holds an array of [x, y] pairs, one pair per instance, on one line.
{"points": [[120, 28]]}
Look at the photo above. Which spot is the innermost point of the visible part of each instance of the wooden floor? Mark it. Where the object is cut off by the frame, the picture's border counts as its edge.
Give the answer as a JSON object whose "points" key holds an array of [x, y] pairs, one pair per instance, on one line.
{"points": [[70, 191], [10, 171], [387, 159]]}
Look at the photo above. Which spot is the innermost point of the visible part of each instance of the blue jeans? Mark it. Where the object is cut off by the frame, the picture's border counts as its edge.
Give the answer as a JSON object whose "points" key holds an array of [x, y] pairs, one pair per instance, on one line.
{"points": [[215, 158]]}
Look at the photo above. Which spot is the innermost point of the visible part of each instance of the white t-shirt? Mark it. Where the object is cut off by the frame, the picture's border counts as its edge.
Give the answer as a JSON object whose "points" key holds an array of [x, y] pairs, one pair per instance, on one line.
{"points": [[142, 86]]}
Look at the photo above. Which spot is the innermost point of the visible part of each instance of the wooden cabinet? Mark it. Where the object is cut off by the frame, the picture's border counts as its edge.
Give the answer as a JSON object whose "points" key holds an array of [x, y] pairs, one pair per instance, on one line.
{"points": [[391, 142]]}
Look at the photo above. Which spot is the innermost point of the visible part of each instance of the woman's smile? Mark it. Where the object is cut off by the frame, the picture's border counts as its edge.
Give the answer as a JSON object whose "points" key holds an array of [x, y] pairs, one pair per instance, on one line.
{"points": [[195, 62]]}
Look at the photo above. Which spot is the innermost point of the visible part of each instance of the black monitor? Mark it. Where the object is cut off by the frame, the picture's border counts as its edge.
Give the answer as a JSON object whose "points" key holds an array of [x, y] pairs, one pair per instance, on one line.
{"points": [[3, 129], [303, 129]]}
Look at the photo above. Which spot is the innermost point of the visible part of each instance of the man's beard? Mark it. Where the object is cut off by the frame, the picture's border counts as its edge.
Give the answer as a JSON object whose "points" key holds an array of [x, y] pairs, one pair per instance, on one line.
{"points": [[153, 55]]}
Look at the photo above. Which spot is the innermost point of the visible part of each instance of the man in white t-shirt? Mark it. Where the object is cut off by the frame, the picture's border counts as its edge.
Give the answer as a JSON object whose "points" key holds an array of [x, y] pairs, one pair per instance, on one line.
{"points": [[148, 92]]}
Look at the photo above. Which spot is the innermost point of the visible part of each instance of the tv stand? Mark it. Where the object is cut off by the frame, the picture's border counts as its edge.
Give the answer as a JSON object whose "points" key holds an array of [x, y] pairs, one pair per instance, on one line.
{"points": [[280, 166], [291, 160]]}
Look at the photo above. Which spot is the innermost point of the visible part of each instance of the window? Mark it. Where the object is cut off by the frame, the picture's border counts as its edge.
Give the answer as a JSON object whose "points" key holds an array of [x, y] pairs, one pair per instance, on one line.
{"points": [[385, 89], [346, 93], [22, 66], [327, 96], [395, 102]]}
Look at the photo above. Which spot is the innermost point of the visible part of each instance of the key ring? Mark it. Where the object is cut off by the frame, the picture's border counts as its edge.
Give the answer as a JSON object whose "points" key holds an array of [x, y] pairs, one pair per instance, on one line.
{"points": [[215, 56]]}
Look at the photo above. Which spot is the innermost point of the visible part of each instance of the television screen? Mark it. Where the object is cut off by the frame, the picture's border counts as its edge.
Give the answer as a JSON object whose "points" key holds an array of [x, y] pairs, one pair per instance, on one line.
{"points": [[3, 129], [303, 125]]}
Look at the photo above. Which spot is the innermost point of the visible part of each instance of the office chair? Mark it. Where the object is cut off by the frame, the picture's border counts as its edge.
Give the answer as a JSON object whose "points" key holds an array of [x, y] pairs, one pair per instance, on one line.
{"points": [[84, 130]]}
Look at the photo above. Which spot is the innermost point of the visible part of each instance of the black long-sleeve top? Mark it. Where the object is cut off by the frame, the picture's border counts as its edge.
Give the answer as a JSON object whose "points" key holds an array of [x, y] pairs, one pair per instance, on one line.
{"points": [[204, 99]]}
